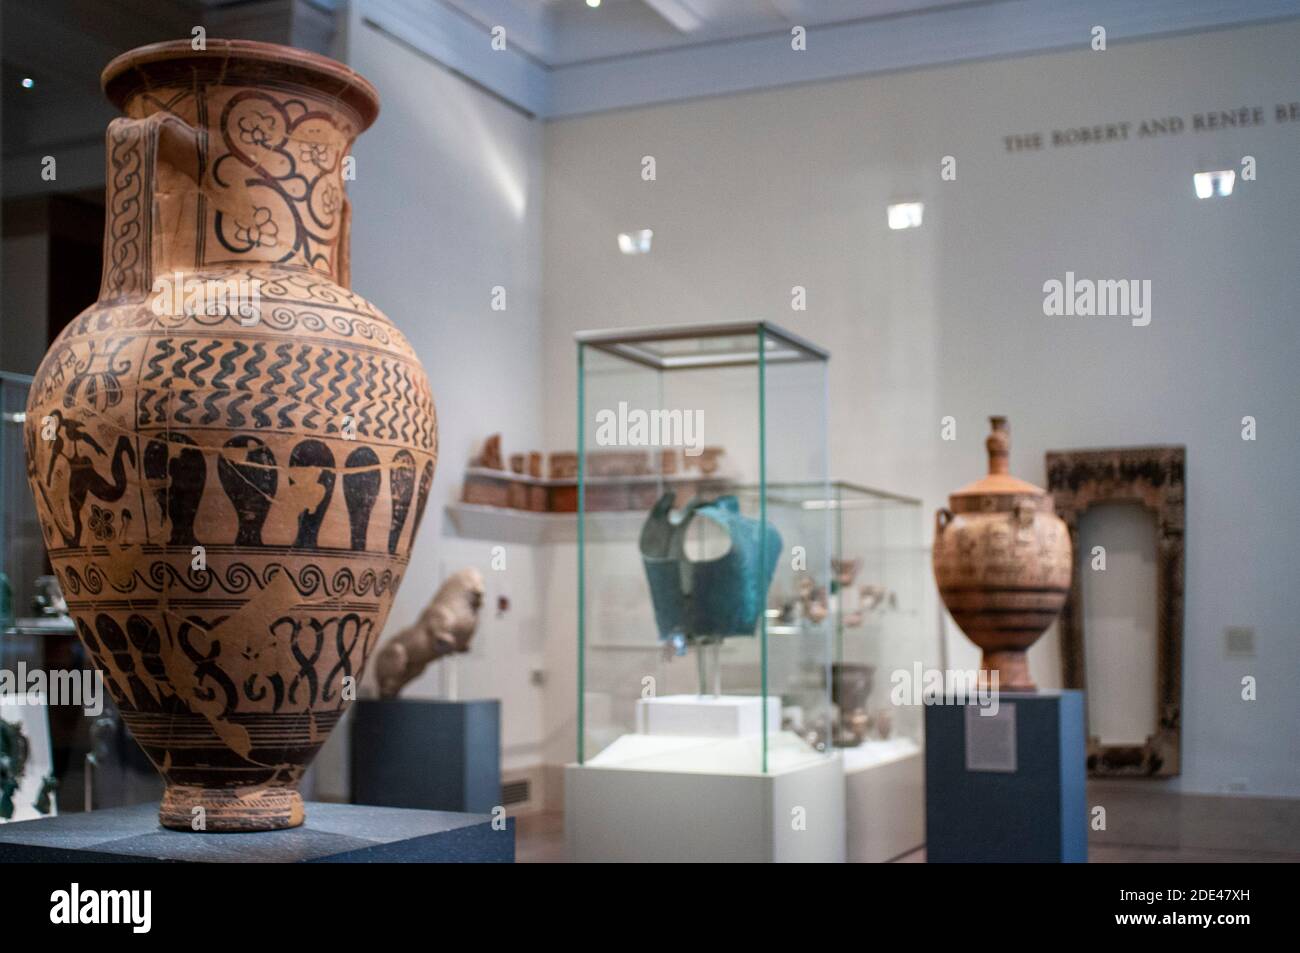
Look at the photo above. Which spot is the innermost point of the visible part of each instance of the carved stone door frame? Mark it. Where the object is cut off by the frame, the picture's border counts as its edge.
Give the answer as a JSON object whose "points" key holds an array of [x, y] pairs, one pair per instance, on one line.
{"points": [[1155, 478]]}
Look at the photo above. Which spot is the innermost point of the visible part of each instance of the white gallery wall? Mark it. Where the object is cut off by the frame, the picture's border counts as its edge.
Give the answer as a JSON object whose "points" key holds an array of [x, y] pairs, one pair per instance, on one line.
{"points": [[447, 206], [758, 193]]}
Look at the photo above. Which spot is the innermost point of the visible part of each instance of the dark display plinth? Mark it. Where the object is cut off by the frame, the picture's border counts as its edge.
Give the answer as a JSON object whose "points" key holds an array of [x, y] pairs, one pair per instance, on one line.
{"points": [[431, 755], [333, 833], [978, 811]]}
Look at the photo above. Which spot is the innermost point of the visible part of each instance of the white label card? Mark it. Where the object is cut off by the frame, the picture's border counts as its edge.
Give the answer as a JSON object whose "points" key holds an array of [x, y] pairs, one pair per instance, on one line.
{"points": [[991, 739]]}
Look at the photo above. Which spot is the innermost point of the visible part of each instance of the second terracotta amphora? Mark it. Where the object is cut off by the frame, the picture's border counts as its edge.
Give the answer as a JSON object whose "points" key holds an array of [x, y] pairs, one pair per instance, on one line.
{"points": [[230, 451], [1002, 560]]}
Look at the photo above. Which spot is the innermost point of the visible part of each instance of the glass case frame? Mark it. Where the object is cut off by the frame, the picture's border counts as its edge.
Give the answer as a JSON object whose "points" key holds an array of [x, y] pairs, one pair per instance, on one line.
{"points": [[881, 581], [769, 388]]}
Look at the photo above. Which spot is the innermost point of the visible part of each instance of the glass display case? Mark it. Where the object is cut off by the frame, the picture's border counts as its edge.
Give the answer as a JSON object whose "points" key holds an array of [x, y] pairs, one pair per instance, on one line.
{"points": [[879, 575], [690, 543]]}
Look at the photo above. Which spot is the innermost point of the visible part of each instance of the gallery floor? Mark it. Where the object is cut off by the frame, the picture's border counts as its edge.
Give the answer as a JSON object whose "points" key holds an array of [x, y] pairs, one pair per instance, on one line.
{"points": [[1143, 827], [541, 841]]}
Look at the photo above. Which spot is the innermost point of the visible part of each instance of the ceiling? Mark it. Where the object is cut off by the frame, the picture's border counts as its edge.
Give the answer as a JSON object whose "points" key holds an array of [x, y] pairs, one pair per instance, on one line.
{"points": [[564, 58], [568, 32], [62, 45]]}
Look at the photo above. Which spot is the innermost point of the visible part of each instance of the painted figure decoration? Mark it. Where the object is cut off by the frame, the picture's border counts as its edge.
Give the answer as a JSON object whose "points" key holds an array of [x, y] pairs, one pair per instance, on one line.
{"points": [[1002, 559], [230, 451]]}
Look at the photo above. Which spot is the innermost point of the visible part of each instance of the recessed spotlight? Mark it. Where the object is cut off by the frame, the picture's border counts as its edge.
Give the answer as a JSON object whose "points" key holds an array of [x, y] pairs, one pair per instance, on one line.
{"points": [[593, 3], [905, 215], [28, 82], [1211, 184], [635, 243]]}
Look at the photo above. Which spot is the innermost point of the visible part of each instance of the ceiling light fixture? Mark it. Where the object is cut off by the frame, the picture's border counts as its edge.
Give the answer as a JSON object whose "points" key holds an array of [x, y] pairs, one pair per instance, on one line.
{"points": [[905, 214], [1211, 184], [635, 243], [28, 82], [593, 3]]}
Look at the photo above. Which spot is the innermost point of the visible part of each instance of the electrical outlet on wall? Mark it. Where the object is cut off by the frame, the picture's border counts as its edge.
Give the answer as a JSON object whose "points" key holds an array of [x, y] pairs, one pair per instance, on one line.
{"points": [[1239, 641], [1237, 786]]}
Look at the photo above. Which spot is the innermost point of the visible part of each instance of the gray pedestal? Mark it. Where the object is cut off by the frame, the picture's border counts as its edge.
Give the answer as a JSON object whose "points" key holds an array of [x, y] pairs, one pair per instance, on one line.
{"points": [[432, 755], [1007, 788], [332, 833]]}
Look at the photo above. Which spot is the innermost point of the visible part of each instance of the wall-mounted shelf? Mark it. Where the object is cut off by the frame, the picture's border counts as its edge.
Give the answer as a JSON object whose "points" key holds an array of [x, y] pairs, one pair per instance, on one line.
{"points": [[670, 479], [503, 525]]}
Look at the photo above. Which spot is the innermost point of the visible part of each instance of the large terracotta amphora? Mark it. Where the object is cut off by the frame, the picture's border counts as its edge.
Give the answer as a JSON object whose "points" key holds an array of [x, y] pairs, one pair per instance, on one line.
{"points": [[230, 451], [1002, 561]]}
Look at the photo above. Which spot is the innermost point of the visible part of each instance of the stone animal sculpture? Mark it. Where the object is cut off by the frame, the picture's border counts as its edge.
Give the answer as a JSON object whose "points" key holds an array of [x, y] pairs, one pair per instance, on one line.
{"points": [[446, 626]]}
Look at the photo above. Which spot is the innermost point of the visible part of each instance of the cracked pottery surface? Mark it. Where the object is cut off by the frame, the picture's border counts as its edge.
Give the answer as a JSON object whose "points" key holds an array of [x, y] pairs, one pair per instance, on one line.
{"points": [[230, 451]]}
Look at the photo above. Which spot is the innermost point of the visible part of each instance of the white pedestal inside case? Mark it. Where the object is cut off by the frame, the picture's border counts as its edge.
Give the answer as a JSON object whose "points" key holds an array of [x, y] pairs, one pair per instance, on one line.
{"points": [[884, 800], [707, 716], [657, 799]]}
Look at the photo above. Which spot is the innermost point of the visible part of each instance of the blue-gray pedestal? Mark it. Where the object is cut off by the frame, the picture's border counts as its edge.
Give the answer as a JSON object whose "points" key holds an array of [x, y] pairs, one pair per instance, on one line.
{"points": [[976, 810], [332, 833], [433, 755]]}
